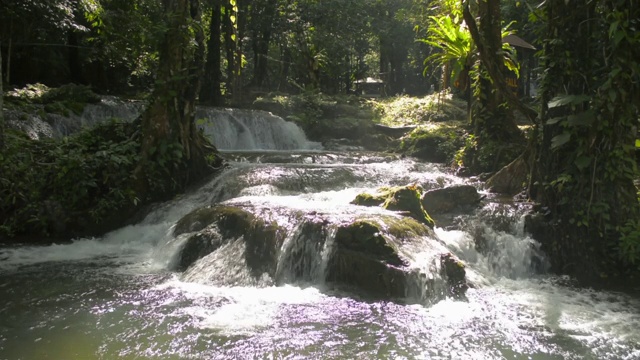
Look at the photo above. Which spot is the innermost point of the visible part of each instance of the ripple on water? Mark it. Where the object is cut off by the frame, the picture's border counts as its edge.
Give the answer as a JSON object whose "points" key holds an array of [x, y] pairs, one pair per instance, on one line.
{"points": [[112, 298]]}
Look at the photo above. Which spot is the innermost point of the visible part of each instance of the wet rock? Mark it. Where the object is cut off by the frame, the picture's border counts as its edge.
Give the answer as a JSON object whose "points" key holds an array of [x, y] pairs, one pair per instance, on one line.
{"points": [[371, 256], [233, 219], [366, 238], [215, 226], [394, 131], [453, 270], [198, 246], [510, 179], [543, 229], [377, 142], [366, 259], [449, 198], [342, 145], [404, 199], [30, 124]]}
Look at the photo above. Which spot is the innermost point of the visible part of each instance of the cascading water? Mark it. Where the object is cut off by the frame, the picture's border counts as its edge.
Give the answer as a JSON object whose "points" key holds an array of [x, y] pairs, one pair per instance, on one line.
{"points": [[228, 129], [237, 129], [117, 297]]}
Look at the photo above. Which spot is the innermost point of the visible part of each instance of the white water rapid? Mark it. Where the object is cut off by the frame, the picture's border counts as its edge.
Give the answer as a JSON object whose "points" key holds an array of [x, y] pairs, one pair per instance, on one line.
{"points": [[228, 129], [119, 297]]}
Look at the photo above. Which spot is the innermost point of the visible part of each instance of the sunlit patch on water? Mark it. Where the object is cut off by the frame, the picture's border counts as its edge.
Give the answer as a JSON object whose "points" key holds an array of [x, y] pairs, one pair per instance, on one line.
{"points": [[114, 297]]}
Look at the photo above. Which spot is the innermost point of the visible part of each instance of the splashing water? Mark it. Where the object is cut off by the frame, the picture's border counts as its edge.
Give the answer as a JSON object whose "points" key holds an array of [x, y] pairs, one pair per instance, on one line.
{"points": [[117, 297]]}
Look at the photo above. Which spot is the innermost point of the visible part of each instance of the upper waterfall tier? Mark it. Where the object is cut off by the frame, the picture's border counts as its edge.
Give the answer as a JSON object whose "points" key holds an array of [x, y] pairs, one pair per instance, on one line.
{"points": [[239, 129], [228, 129]]}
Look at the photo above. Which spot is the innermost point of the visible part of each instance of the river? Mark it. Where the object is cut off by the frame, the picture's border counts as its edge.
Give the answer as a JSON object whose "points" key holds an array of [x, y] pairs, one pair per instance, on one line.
{"points": [[118, 297]]}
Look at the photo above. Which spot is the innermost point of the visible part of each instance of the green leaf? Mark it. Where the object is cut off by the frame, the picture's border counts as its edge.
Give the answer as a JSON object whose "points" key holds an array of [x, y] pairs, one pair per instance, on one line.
{"points": [[637, 143], [563, 100], [555, 120], [583, 162], [560, 140], [584, 118]]}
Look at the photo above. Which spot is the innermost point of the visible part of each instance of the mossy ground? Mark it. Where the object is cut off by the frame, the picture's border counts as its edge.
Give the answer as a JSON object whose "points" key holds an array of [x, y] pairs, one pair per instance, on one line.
{"points": [[440, 120], [39, 98]]}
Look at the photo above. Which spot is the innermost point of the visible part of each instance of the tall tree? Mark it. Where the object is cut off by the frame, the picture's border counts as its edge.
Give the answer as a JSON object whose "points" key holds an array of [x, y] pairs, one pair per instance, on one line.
{"points": [[490, 118], [395, 36], [231, 46], [210, 92], [263, 18], [169, 133]]}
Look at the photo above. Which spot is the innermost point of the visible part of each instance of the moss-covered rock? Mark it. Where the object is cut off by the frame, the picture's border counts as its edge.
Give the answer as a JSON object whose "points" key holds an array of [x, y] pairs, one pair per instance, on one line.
{"points": [[407, 199], [447, 199], [233, 219], [404, 199], [370, 254], [376, 199], [366, 259], [437, 144], [453, 270], [366, 238]]}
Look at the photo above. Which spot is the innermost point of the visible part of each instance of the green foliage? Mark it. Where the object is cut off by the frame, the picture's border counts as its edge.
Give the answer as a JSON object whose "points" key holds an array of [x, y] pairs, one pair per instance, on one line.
{"points": [[61, 100], [490, 156], [50, 186], [629, 247], [404, 110], [433, 143], [313, 107], [453, 42], [590, 122]]}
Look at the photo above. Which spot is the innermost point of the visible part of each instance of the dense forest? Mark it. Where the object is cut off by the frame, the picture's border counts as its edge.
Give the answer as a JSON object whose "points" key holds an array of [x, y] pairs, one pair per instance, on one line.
{"points": [[577, 160]]}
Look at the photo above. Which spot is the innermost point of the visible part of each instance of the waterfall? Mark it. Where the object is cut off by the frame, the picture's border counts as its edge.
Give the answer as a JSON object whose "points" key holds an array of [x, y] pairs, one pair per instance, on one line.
{"points": [[228, 129], [239, 129]]}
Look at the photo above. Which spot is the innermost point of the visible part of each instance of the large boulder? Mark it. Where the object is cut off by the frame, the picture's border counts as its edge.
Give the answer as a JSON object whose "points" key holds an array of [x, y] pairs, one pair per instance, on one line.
{"points": [[371, 255], [404, 199], [212, 227], [365, 237], [376, 255], [510, 179], [447, 199]]}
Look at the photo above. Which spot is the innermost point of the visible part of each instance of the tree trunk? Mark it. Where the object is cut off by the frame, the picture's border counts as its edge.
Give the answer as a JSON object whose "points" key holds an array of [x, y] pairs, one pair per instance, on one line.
{"points": [[385, 75], [489, 118], [73, 53], [9, 49], [487, 38], [169, 135], [230, 37], [241, 22], [1, 103], [210, 92], [263, 19], [285, 66], [586, 173]]}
